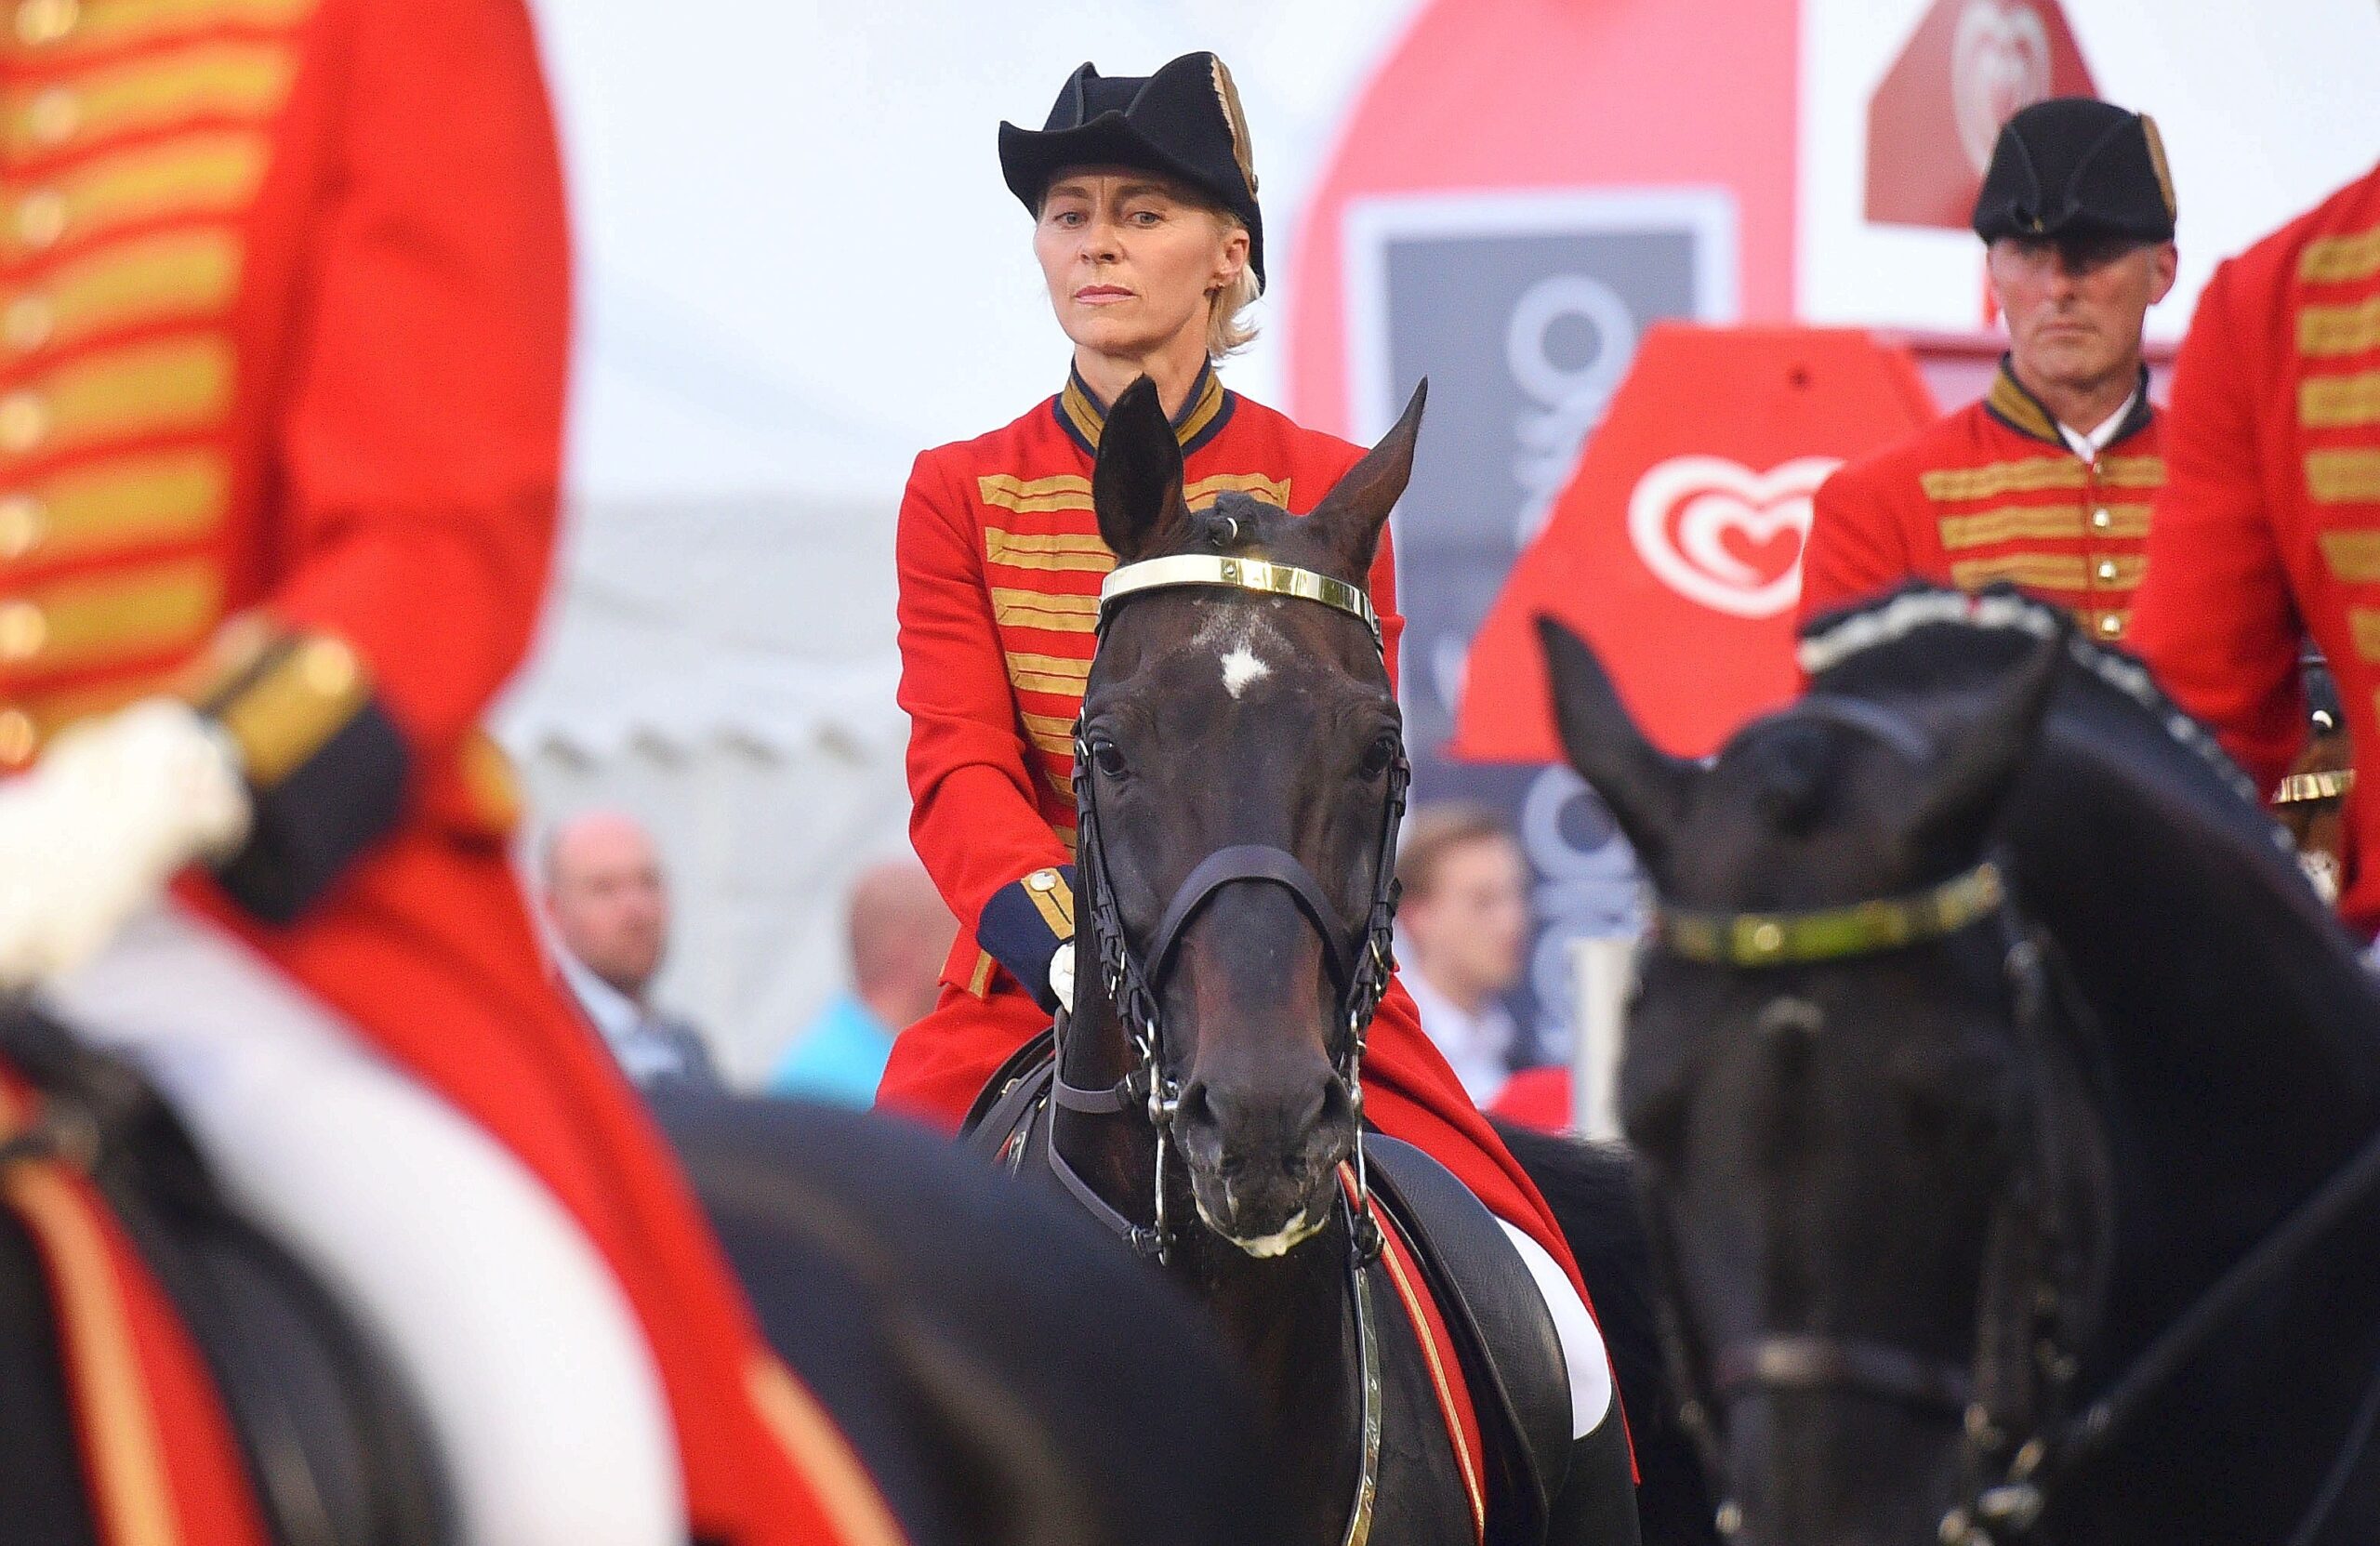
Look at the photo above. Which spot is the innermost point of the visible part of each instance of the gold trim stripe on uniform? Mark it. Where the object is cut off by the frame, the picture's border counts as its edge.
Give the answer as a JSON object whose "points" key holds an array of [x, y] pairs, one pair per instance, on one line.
{"points": [[308, 691], [2039, 524], [1061, 675], [2363, 626], [2352, 556], [1069, 492], [213, 173], [1056, 551], [1033, 609], [222, 79], [124, 503], [101, 28], [2348, 329], [27, 726], [821, 1455], [2132, 471], [979, 982], [2334, 402], [1051, 734], [2343, 477], [122, 1451], [1204, 492], [2033, 571], [2025, 476], [182, 276], [1054, 899], [173, 384], [2335, 260], [100, 619], [2018, 407]]}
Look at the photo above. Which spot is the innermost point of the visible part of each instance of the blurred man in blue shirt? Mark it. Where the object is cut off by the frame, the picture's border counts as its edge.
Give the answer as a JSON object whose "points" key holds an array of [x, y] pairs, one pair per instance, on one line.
{"points": [[900, 930]]}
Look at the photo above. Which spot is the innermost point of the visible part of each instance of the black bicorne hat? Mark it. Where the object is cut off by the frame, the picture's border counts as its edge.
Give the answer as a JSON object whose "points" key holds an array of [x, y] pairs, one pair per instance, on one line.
{"points": [[1184, 122], [2077, 167]]}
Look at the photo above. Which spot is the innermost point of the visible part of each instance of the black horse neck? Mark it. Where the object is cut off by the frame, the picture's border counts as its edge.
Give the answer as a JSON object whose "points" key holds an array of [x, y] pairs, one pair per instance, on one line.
{"points": [[1288, 1319], [2232, 1043]]}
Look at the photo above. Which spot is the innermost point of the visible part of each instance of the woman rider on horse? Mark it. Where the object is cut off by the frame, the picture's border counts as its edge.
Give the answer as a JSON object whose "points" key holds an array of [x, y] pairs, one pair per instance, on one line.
{"points": [[1152, 243]]}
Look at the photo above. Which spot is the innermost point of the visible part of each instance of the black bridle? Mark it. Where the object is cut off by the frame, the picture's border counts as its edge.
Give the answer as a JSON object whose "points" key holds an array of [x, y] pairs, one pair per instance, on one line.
{"points": [[1358, 957], [2046, 1267]]}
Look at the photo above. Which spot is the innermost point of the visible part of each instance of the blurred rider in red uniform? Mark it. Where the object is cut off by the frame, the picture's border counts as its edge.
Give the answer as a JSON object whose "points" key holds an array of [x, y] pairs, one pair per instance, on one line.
{"points": [[2268, 526], [284, 331]]}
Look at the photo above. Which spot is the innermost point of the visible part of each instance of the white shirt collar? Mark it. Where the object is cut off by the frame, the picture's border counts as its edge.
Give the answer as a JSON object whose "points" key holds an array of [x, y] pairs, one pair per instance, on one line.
{"points": [[615, 1013], [1474, 1046], [2089, 447]]}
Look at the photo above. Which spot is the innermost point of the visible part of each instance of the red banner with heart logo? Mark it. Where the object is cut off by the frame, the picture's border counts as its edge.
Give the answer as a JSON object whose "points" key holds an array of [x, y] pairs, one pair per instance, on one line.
{"points": [[1934, 120], [1677, 546]]}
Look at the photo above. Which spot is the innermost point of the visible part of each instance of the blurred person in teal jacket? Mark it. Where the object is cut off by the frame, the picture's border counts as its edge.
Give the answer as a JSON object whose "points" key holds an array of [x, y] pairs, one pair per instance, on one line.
{"points": [[900, 930]]}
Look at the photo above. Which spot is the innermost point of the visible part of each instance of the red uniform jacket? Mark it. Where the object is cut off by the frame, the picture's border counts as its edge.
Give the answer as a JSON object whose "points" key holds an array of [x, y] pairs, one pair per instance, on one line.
{"points": [[1000, 563], [2269, 525], [1992, 493], [283, 333]]}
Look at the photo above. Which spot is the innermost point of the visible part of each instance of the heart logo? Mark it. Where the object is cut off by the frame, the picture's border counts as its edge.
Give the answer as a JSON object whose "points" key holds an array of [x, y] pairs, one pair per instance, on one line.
{"points": [[1725, 536], [1999, 64]]}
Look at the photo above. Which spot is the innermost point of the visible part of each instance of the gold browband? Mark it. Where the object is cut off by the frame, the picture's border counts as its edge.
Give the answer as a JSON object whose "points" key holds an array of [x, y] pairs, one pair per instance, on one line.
{"points": [[1258, 574], [2306, 788], [1833, 934]]}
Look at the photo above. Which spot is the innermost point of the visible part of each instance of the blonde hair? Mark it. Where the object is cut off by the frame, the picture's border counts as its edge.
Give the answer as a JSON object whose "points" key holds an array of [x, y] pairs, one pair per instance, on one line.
{"points": [[1226, 334]]}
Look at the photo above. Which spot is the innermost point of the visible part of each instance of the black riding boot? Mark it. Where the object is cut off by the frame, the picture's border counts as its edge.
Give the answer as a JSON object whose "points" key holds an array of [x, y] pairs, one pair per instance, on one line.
{"points": [[1597, 1506]]}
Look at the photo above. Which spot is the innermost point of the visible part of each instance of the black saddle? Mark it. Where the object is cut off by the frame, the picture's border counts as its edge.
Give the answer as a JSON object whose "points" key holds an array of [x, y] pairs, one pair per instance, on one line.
{"points": [[335, 1447], [1511, 1353]]}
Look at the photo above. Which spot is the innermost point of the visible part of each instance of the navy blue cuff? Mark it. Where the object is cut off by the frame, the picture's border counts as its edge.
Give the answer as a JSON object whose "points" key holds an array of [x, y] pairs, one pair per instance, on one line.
{"points": [[1024, 924], [305, 828]]}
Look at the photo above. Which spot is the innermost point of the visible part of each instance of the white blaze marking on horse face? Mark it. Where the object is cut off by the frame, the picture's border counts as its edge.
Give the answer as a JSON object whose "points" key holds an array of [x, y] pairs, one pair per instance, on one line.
{"points": [[1242, 667]]}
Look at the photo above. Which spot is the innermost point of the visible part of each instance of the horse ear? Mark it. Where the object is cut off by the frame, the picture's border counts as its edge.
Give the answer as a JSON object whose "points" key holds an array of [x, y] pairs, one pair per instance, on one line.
{"points": [[1136, 485], [1645, 787], [1983, 751], [1357, 506]]}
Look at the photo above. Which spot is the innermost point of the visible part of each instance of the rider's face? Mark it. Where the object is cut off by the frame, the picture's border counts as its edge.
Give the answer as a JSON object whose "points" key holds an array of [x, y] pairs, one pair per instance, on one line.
{"points": [[1131, 260], [2074, 308]]}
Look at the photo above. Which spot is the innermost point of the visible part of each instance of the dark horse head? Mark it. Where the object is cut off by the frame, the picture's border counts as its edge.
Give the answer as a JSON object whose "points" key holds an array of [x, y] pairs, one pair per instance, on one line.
{"points": [[1244, 745], [1820, 1076], [2008, 1098]]}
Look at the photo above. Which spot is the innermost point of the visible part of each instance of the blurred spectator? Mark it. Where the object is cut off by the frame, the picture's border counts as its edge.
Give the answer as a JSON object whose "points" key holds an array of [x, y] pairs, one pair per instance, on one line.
{"points": [[609, 905], [900, 931], [1462, 930]]}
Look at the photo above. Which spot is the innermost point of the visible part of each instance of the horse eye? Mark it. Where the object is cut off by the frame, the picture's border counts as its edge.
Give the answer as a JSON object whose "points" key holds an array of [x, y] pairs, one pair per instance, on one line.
{"points": [[1109, 759], [1377, 757]]}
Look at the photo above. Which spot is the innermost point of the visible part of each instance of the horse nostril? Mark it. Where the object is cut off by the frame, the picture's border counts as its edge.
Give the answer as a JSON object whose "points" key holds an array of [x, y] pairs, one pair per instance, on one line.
{"points": [[1337, 1104], [1195, 1109]]}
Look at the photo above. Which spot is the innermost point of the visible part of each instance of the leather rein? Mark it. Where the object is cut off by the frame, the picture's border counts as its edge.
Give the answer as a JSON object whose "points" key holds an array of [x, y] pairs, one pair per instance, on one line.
{"points": [[2023, 1439], [1358, 959]]}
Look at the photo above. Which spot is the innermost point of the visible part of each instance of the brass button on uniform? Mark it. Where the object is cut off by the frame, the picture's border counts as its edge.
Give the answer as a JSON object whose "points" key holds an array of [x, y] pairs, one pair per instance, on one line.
{"points": [[23, 631], [2106, 570], [2111, 626], [24, 421], [40, 21], [18, 737], [21, 520], [328, 667], [41, 217], [54, 116], [28, 321], [2101, 519], [1042, 880]]}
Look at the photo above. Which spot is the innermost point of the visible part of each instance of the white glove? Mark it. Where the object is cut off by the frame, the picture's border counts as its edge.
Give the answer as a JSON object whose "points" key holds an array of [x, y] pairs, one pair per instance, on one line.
{"points": [[104, 820], [1062, 977]]}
